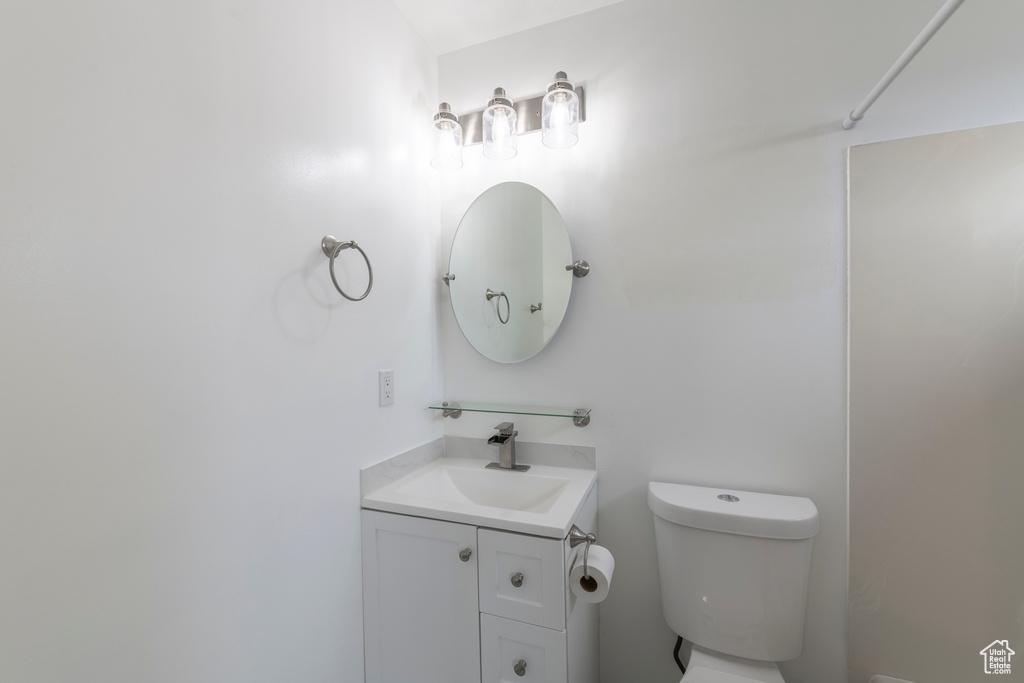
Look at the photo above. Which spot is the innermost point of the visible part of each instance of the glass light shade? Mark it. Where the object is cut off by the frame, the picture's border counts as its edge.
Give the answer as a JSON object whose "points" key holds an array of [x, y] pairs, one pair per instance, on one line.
{"points": [[560, 114], [499, 127], [447, 154]]}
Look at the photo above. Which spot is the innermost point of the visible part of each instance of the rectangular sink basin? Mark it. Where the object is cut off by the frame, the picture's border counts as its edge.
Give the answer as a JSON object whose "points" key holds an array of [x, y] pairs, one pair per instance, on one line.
{"points": [[542, 501]]}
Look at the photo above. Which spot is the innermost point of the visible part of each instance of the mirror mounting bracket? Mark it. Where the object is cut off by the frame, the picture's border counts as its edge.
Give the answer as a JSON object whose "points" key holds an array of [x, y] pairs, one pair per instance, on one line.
{"points": [[579, 268]]}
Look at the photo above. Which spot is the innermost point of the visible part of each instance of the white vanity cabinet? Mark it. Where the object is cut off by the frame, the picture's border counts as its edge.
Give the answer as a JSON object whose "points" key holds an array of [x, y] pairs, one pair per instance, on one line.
{"points": [[504, 615]]}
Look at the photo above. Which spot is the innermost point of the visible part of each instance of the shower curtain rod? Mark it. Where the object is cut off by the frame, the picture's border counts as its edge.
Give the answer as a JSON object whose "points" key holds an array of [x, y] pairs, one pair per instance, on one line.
{"points": [[922, 39]]}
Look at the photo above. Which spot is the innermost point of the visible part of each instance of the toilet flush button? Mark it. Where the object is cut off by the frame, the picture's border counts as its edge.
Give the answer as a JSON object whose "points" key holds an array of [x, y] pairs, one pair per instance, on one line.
{"points": [[729, 498]]}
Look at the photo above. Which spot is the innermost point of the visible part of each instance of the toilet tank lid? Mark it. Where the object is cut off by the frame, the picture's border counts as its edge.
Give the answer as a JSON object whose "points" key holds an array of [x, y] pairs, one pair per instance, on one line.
{"points": [[764, 515]]}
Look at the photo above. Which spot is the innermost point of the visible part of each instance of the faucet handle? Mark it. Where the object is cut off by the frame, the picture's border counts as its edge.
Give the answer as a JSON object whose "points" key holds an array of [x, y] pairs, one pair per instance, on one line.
{"points": [[505, 428]]}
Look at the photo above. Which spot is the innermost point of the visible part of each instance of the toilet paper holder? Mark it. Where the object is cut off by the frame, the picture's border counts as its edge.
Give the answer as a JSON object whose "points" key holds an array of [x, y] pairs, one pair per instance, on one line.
{"points": [[578, 536]]}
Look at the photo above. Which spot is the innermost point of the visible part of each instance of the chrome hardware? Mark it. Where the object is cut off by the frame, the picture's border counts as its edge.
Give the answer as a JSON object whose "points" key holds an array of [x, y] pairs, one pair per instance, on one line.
{"points": [[444, 113], [332, 247], [465, 554], [506, 442], [448, 277], [579, 268], [580, 416], [497, 466], [520, 667], [534, 309], [528, 118], [508, 307], [499, 98], [517, 579], [729, 498], [330, 244], [561, 82], [576, 537], [507, 429]]}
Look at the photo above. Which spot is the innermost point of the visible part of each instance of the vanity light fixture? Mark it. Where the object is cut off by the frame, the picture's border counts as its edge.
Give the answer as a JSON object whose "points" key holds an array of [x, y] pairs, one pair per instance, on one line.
{"points": [[557, 114], [560, 114], [499, 127], [447, 139]]}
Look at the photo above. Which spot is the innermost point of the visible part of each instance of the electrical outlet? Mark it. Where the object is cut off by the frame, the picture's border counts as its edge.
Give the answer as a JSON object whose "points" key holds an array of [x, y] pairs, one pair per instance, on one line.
{"points": [[386, 379]]}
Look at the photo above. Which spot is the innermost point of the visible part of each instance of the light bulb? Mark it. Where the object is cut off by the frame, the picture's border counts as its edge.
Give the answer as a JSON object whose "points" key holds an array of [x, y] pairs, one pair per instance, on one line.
{"points": [[447, 139], [560, 114], [500, 130], [499, 127]]}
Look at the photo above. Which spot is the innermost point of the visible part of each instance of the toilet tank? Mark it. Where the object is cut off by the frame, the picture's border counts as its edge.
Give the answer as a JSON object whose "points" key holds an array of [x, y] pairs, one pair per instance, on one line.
{"points": [[734, 567]]}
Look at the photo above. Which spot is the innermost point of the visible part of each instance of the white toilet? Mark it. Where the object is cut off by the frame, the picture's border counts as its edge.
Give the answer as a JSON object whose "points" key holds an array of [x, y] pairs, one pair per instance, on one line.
{"points": [[734, 568]]}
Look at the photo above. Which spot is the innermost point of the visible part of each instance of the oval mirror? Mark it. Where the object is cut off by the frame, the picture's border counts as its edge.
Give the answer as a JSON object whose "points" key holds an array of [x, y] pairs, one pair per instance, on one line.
{"points": [[511, 288]]}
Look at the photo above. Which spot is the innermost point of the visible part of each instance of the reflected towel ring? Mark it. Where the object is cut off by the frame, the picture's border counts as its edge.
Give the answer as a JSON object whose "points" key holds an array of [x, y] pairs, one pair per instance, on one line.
{"points": [[332, 247], [508, 307]]}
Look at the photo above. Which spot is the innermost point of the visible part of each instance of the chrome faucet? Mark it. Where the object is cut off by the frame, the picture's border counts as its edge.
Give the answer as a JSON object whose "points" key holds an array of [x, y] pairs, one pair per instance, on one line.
{"points": [[506, 440]]}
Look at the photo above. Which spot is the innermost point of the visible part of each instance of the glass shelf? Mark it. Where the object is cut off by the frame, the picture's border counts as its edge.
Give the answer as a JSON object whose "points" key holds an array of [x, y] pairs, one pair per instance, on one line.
{"points": [[579, 416]]}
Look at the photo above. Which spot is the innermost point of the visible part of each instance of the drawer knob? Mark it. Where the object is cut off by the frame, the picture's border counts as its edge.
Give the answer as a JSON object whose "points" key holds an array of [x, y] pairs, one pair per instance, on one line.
{"points": [[465, 554], [517, 581], [520, 667]]}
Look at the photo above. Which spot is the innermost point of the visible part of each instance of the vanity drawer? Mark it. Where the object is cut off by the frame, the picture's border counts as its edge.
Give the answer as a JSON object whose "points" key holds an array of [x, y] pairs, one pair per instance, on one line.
{"points": [[540, 653], [522, 578]]}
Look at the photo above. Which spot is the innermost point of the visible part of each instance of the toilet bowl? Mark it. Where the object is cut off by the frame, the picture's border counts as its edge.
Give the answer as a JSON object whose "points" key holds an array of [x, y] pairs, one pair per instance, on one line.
{"points": [[734, 568], [706, 666]]}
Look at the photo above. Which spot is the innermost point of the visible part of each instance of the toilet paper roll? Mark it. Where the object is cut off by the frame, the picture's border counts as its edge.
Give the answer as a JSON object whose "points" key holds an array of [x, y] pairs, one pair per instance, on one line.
{"points": [[601, 566]]}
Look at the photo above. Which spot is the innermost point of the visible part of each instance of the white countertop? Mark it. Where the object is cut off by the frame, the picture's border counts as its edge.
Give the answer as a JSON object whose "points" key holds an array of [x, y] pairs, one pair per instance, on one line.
{"points": [[542, 501]]}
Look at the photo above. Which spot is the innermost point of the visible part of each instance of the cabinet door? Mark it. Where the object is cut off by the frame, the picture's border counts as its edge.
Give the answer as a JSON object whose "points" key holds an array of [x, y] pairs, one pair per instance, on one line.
{"points": [[420, 608]]}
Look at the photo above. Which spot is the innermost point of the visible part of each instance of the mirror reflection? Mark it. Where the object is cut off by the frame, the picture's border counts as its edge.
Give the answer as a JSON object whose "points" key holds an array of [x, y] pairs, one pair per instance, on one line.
{"points": [[511, 289]]}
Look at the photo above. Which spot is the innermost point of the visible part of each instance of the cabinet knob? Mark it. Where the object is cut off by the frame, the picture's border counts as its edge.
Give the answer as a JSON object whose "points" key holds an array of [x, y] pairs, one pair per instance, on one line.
{"points": [[517, 581], [465, 554], [520, 667]]}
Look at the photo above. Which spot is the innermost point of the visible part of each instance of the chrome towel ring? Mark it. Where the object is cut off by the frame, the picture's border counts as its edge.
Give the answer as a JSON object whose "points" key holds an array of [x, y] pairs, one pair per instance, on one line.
{"points": [[497, 306], [332, 247]]}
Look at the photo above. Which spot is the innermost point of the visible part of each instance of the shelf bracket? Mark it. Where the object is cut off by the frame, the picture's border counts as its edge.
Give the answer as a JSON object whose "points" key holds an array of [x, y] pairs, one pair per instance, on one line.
{"points": [[451, 410]]}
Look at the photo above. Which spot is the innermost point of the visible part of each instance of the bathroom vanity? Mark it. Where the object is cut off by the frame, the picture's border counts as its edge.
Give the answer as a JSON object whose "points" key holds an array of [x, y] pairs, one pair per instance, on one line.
{"points": [[465, 576]]}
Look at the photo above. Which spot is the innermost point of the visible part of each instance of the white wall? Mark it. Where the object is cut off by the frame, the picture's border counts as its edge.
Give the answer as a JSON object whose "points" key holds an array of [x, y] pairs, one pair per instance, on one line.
{"points": [[708, 194], [936, 399], [184, 400]]}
